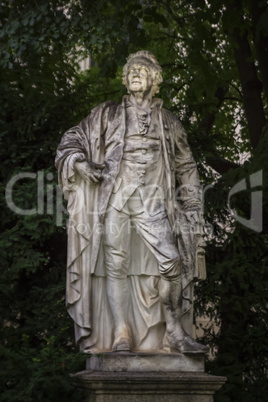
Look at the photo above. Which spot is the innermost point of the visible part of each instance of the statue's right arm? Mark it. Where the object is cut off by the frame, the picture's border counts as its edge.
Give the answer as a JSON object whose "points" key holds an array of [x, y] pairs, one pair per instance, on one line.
{"points": [[74, 153]]}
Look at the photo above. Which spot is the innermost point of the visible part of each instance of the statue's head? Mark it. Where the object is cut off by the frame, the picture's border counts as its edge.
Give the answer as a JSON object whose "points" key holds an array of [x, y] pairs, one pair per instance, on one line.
{"points": [[149, 68]]}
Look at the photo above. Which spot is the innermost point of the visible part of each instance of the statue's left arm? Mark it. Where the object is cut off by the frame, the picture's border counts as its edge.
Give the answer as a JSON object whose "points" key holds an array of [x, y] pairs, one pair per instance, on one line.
{"points": [[187, 177], [190, 200]]}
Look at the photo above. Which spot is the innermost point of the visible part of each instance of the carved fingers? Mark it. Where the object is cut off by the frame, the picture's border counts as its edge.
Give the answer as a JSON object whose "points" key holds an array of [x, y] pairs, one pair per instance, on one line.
{"points": [[90, 171], [192, 216]]}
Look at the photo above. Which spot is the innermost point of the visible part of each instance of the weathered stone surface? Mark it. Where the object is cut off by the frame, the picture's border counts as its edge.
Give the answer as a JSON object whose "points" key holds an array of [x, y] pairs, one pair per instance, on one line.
{"points": [[135, 243], [147, 387], [146, 362]]}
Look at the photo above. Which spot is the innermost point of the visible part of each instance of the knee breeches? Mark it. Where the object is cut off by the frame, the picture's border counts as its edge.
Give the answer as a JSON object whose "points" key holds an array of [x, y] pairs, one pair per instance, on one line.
{"points": [[155, 232]]}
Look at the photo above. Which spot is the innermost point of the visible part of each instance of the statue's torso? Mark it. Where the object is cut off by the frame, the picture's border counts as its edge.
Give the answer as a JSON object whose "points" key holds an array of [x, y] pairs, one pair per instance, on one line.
{"points": [[142, 165]]}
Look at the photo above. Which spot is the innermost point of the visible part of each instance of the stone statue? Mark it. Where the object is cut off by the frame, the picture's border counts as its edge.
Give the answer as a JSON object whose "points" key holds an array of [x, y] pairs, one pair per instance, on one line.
{"points": [[131, 183]]}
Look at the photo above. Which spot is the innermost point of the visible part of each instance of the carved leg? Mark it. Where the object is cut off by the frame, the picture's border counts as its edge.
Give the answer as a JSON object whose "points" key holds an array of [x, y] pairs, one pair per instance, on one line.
{"points": [[159, 238], [117, 290], [117, 239], [179, 340]]}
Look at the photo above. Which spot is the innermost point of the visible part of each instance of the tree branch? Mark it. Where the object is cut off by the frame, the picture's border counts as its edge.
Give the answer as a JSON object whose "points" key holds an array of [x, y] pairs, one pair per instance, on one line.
{"points": [[177, 88], [180, 21], [173, 36], [237, 89], [220, 164], [209, 118], [233, 98]]}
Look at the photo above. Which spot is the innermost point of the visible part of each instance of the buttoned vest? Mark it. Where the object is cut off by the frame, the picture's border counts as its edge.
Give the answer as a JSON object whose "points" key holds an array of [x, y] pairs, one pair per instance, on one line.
{"points": [[142, 166]]}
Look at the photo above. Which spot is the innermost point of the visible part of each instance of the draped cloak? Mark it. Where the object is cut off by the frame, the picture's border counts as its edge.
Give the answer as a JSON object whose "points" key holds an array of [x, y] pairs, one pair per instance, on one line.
{"points": [[99, 138]]}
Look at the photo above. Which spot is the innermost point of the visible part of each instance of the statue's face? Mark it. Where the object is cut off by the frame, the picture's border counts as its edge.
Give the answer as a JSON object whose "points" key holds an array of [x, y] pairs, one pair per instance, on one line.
{"points": [[139, 78]]}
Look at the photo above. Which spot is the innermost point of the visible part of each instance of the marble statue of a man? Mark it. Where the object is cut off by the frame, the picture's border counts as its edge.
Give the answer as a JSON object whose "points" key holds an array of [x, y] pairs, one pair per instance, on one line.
{"points": [[128, 273]]}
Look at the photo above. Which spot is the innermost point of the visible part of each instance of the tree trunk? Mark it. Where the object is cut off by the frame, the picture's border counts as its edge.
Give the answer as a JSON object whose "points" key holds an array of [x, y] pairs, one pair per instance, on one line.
{"points": [[258, 9], [251, 85]]}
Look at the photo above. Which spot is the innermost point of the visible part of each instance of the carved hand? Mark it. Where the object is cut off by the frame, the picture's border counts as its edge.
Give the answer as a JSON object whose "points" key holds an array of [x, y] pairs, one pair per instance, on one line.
{"points": [[90, 171], [192, 216], [192, 211]]}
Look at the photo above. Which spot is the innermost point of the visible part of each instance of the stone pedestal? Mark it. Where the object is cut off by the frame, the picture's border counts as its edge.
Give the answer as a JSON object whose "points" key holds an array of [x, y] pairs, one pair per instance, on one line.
{"points": [[146, 362], [130, 377]]}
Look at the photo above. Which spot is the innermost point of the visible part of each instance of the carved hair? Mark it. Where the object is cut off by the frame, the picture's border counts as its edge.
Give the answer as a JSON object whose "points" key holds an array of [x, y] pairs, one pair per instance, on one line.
{"points": [[153, 64]]}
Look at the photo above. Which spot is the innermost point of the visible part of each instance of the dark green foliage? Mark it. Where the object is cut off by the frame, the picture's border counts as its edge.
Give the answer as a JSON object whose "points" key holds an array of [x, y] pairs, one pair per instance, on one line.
{"points": [[214, 59]]}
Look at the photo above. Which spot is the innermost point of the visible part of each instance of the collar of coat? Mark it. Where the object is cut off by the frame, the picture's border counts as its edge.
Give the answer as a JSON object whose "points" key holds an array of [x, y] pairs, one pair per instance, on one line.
{"points": [[155, 102]]}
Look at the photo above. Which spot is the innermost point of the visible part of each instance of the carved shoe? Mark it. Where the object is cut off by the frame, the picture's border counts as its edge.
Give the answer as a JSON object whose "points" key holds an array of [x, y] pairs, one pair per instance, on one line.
{"points": [[121, 345], [187, 345]]}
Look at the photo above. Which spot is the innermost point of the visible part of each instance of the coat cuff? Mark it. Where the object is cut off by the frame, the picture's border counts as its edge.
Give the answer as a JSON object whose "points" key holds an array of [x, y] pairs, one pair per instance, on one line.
{"points": [[190, 197]]}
